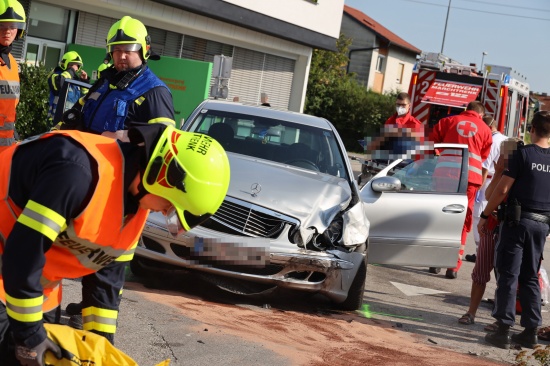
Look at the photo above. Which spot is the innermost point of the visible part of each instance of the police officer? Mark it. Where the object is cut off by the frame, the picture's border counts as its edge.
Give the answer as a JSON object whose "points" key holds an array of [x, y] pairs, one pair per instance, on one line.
{"points": [[70, 67], [75, 203], [522, 236], [128, 91], [12, 26]]}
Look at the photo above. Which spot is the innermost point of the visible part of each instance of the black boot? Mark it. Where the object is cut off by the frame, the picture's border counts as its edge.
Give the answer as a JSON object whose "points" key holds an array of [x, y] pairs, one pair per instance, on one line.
{"points": [[528, 338], [500, 338], [74, 308]]}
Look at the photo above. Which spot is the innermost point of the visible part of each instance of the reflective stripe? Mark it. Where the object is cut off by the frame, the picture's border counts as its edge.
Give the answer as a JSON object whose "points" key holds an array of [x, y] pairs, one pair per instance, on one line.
{"points": [[42, 219], [24, 310], [7, 141], [474, 169], [475, 156], [103, 320], [10, 89], [163, 120], [140, 100], [90, 255], [54, 76], [128, 255]]}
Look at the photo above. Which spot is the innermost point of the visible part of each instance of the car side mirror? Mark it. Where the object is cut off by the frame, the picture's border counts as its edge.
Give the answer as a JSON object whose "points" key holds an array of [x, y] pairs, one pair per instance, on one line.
{"points": [[386, 184]]}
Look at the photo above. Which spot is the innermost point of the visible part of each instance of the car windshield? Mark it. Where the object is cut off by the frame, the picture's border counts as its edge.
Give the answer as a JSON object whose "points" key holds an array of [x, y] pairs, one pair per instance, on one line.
{"points": [[275, 140]]}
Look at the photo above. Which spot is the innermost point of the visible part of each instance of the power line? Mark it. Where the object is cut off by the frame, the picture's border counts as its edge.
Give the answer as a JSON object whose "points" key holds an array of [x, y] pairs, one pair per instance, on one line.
{"points": [[478, 11], [506, 6]]}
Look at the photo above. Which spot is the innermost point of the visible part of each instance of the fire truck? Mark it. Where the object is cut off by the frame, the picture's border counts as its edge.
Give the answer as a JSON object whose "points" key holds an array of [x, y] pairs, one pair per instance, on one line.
{"points": [[441, 87]]}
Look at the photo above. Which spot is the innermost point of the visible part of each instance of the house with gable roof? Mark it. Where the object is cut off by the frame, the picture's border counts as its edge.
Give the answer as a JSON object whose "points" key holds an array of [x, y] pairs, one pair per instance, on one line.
{"points": [[382, 60]]}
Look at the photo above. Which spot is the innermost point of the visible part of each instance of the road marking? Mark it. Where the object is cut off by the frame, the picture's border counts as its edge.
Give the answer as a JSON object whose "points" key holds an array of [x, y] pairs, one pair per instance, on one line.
{"points": [[410, 290]]}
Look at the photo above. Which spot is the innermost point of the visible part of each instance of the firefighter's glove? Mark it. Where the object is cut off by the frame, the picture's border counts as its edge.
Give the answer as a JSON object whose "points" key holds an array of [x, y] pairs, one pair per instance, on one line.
{"points": [[35, 356]]}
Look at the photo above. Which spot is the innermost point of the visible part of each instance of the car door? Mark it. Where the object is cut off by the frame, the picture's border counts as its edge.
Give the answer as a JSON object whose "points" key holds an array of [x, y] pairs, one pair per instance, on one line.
{"points": [[419, 223]]}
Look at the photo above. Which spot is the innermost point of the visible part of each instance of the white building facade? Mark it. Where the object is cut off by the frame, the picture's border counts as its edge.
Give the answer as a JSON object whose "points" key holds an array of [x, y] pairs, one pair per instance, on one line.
{"points": [[271, 42]]}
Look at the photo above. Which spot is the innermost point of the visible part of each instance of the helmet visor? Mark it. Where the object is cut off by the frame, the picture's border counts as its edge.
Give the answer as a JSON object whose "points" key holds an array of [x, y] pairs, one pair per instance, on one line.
{"points": [[173, 223], [124, 47], [11, 25]]}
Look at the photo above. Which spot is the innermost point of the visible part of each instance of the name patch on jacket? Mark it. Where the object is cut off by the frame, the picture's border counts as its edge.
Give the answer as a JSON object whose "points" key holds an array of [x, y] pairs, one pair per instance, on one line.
{"points": [[90, 255], [9, 89]]}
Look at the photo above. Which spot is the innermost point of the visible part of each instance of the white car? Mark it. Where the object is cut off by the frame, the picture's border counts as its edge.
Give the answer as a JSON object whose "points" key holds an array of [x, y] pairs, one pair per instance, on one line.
{"points": [[294, 216]]}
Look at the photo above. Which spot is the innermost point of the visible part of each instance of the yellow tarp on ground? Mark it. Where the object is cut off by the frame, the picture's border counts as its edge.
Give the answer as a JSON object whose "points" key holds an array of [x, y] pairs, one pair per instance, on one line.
{"points": [[83, 348]]}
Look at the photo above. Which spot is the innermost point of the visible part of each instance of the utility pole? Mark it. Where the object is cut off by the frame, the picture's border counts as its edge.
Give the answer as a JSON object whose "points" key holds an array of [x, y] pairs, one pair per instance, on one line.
{"points": [[445, 30]]}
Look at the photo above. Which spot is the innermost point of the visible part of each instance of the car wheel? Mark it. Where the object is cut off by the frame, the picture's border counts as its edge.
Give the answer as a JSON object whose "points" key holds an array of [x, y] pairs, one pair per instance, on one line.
{"points": [[354, 301], [137, 268]]}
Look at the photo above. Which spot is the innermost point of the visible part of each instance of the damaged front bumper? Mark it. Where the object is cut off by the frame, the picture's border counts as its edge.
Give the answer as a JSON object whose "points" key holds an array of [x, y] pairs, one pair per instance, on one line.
{"points": [[257, 260]]}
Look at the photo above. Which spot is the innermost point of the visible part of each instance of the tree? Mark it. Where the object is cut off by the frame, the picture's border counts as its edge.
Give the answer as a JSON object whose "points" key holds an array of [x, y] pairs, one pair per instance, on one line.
{"points": [[334, 94], [32, 110]]}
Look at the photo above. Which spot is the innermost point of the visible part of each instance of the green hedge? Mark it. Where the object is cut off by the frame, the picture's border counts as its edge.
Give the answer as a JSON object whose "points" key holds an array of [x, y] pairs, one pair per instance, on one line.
{"points": [[32, 110]]}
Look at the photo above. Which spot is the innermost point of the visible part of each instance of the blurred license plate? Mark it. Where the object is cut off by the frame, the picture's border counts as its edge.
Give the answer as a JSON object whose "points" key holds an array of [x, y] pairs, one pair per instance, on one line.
{"points": [[245, 251]]}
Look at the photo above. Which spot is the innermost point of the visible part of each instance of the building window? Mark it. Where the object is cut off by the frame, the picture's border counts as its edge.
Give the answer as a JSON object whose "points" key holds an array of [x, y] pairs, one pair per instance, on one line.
{"points": [[48, 22], [380, 63], [200, 49], [400, 71]]}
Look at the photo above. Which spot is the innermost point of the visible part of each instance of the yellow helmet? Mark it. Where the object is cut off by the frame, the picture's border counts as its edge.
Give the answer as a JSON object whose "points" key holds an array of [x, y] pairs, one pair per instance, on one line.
{"points": [[131, 32], [11, 11], [71, 57], [191, 170]]}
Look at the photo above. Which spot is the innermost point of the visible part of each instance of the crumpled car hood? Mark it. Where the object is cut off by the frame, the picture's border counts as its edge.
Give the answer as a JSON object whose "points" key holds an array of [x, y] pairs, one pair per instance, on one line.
{"points": [[309, 196]]}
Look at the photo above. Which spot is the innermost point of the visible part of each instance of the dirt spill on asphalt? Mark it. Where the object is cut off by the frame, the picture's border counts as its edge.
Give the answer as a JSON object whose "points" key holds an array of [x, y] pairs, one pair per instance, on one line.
{"points": [[312, 338]]}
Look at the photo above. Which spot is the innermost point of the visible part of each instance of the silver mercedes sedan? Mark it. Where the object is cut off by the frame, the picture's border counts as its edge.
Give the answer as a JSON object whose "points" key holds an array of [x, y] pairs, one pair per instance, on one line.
{"points": [[294, 216]]}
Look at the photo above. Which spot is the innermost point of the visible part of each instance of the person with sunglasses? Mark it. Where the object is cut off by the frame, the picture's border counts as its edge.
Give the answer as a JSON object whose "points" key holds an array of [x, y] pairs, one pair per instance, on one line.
{"points": [[75, 204]]}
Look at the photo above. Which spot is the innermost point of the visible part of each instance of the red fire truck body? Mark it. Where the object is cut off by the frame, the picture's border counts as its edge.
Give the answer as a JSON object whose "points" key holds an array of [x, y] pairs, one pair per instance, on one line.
{"points": [[441, 87]]}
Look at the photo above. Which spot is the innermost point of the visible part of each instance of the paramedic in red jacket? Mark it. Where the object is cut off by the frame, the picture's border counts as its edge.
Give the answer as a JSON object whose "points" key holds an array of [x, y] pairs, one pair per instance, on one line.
{"points": [[466, 128], [401, 132]]}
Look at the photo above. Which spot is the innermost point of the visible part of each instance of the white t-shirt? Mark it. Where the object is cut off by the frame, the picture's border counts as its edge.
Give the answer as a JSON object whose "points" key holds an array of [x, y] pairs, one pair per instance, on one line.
{"points": [[489, 163]]}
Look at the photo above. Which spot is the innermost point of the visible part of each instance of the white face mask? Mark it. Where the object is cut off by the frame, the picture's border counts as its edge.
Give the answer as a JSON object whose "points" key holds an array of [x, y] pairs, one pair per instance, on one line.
{"points": [[401, 111]]}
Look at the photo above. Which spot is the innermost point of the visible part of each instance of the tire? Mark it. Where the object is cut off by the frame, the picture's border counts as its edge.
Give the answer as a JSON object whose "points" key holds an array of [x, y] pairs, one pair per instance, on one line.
{"points": [[137, 268], [354, 301]]}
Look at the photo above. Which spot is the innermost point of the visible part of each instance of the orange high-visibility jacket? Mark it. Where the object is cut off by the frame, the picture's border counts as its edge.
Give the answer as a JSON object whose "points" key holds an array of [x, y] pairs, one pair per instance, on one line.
{"points": [[90, 241], [9, 98]]}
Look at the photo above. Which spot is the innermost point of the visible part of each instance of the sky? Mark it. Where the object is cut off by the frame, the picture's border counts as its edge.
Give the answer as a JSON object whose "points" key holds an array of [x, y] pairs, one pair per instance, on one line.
{"points": [[513, 33]]}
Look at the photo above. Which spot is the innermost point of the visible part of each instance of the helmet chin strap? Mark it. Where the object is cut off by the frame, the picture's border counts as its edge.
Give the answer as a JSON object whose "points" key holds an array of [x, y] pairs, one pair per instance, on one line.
{"points": [[141, 191]]}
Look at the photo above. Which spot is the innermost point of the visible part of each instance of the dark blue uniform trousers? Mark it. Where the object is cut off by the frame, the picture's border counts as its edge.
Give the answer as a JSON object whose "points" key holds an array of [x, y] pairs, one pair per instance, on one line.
{"points": [[517, 261]]}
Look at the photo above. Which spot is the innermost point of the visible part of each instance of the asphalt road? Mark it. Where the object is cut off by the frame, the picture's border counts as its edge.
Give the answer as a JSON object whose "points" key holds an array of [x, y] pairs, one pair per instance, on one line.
{"points": [[167, 317], [407, 299]]}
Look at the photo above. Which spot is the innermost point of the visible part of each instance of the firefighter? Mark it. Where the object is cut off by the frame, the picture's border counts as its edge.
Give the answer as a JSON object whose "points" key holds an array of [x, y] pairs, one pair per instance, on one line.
{"points": [[104, 65], [70, 67], [127, 92], [75, 203], [12, 26], [465, 128]]}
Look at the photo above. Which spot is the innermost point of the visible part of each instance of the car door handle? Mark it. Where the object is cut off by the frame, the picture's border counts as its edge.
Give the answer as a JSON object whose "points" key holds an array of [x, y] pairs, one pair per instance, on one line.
{"points": [[454, 209]]}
